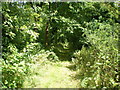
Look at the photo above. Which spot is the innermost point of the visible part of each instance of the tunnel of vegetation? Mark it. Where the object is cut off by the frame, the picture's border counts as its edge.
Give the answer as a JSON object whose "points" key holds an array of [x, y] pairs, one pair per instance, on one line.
{"points": [[84, 33]]}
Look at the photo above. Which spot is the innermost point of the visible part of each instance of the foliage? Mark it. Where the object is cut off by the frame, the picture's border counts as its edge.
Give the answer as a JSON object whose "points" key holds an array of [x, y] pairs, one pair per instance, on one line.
{"points": [[54, 31], [19, 42], [98, 64]]}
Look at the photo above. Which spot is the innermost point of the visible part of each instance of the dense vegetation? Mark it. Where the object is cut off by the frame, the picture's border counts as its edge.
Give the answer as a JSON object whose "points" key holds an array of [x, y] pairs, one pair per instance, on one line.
{"points": [[83, 33]]}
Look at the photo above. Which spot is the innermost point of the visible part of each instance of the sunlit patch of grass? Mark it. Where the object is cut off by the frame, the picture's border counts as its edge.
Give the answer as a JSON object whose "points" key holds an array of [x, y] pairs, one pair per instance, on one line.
{"points": [[51, 75]]}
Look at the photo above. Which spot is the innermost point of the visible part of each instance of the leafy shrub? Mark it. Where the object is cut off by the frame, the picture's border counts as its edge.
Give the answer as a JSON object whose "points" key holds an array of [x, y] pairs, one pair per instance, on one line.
{"points": [[13, 70], [32, 48], [98, 64], [13, 75]]}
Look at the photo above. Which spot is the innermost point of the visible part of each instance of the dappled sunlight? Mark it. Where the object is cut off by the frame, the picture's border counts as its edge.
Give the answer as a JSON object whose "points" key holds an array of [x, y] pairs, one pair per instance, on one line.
{"points": [[60, 45]]}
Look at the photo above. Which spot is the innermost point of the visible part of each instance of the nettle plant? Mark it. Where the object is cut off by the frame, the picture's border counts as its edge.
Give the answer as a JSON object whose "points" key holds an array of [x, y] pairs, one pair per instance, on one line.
{"points": [[98, 64]]}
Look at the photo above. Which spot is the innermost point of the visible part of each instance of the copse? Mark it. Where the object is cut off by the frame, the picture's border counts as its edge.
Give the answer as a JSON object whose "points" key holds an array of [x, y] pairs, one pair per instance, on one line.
{"points": [[84, 32]]}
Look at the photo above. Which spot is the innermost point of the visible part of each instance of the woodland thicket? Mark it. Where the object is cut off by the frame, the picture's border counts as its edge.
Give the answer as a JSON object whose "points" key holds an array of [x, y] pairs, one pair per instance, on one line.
{"points": [[85, 33]]}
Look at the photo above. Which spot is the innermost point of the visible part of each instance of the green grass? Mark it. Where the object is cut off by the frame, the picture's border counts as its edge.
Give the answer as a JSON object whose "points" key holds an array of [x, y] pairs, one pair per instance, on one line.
{"points": [[51, 75]]}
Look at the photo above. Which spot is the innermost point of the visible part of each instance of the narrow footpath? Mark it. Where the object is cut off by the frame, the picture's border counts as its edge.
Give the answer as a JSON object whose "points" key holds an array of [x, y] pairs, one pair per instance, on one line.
{"points": [[52, 75]]}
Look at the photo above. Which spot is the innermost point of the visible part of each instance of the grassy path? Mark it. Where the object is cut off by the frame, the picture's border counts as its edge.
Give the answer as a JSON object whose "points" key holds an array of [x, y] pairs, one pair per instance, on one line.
{"points": [[52, 75]]}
